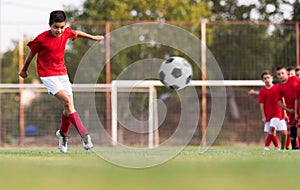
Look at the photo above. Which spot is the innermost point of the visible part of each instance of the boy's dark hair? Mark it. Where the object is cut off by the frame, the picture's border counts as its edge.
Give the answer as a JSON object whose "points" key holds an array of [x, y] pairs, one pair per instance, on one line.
{"points": [[280, 67], [297, 69], [265, 72], [57, 16], [290, 68]]}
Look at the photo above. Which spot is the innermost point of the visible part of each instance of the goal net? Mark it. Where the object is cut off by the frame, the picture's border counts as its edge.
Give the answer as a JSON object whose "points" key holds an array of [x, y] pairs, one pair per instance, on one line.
{"points": [[143, 114], [161, 113]]}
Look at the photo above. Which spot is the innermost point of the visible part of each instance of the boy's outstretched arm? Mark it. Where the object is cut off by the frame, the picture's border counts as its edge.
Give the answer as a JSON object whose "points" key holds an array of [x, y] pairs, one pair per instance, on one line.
{"points": [[24, 71], [89, 36]]}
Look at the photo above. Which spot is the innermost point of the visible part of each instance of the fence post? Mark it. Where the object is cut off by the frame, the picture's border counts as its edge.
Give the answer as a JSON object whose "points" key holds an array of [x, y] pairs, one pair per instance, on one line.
{"points": [[297, 44], [107, 71], [203, 87], [21, 81], [1, 127]]}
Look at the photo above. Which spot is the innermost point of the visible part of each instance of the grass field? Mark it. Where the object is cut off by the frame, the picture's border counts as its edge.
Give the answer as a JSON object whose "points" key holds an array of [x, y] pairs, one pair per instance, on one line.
{"points": [[219, 168]]}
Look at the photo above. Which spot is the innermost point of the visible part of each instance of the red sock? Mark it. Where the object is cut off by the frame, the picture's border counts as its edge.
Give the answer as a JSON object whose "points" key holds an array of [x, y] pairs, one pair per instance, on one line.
{"points": [[275, 141], [65, 125], [288, 141], [298, 142], [76, 121], [268, 140]]}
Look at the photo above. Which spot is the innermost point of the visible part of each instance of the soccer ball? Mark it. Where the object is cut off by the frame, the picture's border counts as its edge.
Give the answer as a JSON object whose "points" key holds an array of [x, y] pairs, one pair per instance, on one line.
{"points": [[175, 73]]}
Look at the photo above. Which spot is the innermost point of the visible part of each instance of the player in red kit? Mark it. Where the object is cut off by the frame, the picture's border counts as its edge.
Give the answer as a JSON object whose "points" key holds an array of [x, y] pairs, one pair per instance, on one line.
{"points": [[287, 90], [50, 48], [297, 111], [271, 112]]}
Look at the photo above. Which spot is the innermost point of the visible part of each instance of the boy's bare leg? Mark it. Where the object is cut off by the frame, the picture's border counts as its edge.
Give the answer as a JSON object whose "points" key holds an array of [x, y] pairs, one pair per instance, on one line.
{"points": [[283, 139]]}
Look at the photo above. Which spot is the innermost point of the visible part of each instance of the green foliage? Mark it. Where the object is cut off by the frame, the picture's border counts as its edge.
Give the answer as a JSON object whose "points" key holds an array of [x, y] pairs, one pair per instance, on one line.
{"points": [[10, 66], [288, 42], [242, 50], [267, 10], [296, 11], [110, 10], [230, 10], [286, 50]]}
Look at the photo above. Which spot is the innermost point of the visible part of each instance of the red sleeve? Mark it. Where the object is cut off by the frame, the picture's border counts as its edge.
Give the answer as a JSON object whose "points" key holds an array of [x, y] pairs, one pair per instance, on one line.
{"points": [[279, 92], [34, 45], [260, 96], [278, 96], [72, 33], [296, 94]]}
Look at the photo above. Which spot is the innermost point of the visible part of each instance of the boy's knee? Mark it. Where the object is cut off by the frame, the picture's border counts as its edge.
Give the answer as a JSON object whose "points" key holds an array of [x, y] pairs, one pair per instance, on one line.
{"points": [[68, 107]]}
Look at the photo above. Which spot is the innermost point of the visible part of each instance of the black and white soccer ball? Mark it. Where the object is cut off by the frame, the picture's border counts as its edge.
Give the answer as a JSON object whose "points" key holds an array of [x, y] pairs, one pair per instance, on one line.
{"points": [[175, 73]]}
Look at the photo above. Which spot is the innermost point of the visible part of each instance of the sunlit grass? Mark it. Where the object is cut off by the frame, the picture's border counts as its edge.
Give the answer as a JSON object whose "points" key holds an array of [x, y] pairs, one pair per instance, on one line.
{"points": [[218, 168]]}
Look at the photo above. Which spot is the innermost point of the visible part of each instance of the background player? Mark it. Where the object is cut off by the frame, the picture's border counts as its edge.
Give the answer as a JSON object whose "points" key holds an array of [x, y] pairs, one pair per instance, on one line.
{"points": [[297, 112], [291, 71], [297, 70], [287, 90], [50, 47], [271, 112]]}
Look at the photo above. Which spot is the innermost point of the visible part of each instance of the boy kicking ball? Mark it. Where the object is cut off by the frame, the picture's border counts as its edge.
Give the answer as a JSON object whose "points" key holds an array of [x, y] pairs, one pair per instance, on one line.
{"points": [[271, 112], [50, 49]]}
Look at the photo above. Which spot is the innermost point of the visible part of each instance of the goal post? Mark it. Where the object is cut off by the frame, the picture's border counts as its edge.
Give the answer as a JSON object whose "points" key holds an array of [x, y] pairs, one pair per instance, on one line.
{"points": [[128, 86], [149, 86]]}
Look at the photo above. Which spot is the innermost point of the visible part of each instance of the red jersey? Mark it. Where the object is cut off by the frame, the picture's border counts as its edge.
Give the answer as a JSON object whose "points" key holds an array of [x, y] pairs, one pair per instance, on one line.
{"points": [[297, 96], [51, 51], [269, 97], [287, 91]]}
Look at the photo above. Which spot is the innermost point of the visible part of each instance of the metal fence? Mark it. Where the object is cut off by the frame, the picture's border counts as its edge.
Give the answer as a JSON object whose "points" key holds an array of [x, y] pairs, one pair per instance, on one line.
{"points": [[242, 50], [42, 112]]}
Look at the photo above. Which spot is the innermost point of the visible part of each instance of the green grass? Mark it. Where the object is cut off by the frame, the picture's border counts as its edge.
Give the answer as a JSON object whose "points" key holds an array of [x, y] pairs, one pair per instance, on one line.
{"points": [[232, 168]]}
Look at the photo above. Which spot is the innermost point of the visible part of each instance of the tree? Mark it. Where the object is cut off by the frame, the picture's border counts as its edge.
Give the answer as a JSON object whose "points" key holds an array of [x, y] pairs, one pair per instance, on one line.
{"points": [[148, 10], [267, 10], [286, 50], [296, 11], [243, 50], [286, 54], [10, 65], [230, 10]]}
